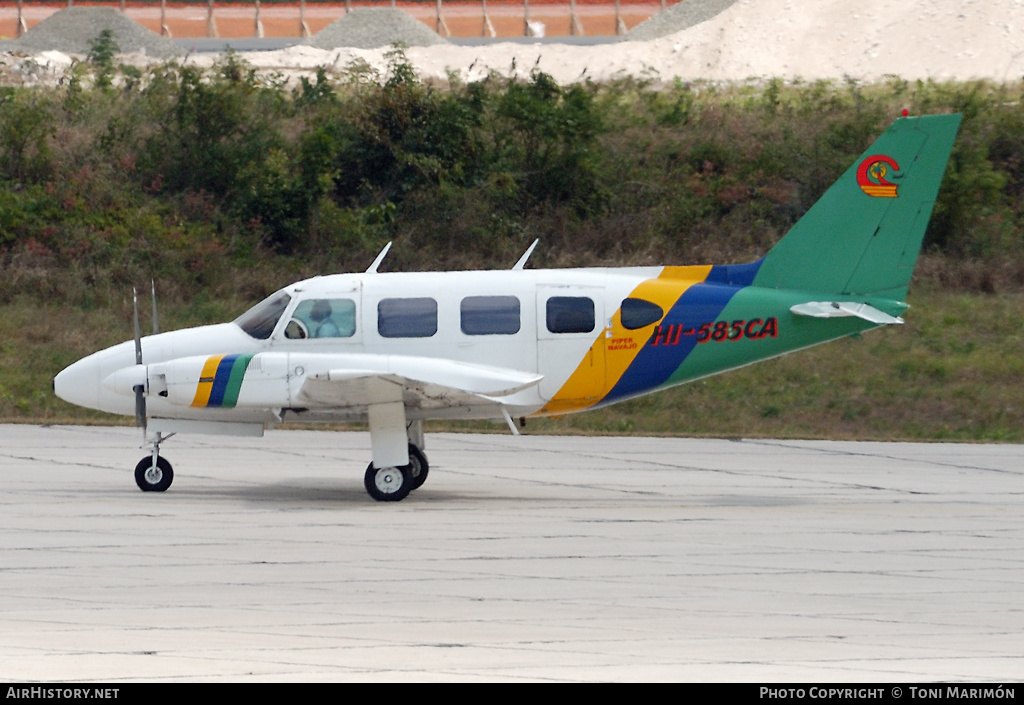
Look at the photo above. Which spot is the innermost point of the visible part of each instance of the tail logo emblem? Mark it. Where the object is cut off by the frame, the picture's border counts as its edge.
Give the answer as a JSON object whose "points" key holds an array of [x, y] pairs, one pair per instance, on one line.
{"points": [[871, 176]]}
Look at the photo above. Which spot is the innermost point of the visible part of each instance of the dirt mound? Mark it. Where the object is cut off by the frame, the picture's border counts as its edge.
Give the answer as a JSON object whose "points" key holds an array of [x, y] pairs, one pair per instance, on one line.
{"points": [[681, 16], [867, 40], [74, 29], [371, 28]]}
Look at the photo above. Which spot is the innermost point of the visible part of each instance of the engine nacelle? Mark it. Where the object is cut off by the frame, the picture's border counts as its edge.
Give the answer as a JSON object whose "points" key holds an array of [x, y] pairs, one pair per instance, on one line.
{"points": [[262, 380]]}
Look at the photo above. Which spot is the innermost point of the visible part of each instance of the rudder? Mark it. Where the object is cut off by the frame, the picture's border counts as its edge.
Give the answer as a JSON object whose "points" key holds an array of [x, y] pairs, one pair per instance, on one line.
{"points": [[863, 235]]}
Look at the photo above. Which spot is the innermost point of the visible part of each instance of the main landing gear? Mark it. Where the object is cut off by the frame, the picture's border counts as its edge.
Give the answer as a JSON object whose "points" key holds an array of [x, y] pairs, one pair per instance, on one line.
{"points": [[393, 484]]}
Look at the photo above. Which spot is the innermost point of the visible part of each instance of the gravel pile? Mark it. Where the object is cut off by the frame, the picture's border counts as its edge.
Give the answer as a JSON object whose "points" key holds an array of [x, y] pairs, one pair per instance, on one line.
{"points": [[74, 29], [680, 16], [371, 28]]}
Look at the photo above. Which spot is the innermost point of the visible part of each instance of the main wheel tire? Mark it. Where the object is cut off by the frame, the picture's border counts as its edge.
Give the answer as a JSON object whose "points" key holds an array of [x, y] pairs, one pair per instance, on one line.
{"points": [[418, 466], [388, 484], [152, 478]]}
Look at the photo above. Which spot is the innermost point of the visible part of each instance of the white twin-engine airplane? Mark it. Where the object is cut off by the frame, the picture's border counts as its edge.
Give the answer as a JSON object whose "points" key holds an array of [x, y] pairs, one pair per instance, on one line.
{"points": [[396, 349]]}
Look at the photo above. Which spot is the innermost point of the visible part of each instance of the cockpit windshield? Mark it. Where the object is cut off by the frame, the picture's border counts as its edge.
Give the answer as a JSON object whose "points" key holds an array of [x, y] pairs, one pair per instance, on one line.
{"points": [[260, 320]]}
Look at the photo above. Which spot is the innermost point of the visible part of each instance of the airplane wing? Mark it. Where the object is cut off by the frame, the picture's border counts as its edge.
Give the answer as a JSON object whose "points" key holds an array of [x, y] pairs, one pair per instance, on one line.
{"points": [[360, 380]]}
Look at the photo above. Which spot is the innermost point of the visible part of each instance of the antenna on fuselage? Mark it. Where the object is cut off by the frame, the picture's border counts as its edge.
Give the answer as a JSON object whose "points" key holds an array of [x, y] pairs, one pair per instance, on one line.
{"points": [[526, 255], [156, 321], [372, 269]]}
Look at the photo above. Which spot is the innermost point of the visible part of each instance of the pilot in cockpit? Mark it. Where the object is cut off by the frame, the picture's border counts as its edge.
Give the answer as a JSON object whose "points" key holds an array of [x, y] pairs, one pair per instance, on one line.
{"points": [[323, 326]]}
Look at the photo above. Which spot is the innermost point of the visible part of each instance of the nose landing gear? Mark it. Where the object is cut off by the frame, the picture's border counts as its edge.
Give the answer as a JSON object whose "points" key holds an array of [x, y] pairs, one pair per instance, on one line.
{"points": [[153, 476], [153, 473]]}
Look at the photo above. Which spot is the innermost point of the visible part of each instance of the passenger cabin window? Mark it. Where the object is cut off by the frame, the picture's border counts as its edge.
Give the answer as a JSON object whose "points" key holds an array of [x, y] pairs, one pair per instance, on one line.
{"points": [[322, 318], [490, 315], [637, 313], [260, 320], [570, 314], [407, 318]]}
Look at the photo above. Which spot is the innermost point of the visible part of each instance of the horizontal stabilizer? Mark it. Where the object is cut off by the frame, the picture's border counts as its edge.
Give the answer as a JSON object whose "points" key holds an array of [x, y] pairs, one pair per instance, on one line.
{"points": [[843, 309]]}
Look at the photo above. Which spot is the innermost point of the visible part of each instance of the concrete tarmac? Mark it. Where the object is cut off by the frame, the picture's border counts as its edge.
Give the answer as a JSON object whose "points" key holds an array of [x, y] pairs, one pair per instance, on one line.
{"points": [[530, 558]]}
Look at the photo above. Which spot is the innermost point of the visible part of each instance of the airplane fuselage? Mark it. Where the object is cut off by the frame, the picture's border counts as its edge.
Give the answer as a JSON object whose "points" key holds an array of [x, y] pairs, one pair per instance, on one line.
{"points": [[593, 337]]}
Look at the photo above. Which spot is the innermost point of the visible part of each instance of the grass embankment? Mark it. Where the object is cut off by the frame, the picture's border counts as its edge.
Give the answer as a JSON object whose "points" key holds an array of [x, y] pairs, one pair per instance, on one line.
{"points": [[227, 185]]}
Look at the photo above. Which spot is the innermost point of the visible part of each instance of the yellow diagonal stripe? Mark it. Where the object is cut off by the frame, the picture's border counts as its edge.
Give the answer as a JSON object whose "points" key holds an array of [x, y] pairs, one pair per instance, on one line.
{"points": [[664, 291], [620, 349], [206, 378]]}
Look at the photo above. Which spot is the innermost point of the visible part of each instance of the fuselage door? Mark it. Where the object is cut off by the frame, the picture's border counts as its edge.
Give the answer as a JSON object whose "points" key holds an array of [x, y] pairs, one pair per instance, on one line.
{"points": [[571, 343]]}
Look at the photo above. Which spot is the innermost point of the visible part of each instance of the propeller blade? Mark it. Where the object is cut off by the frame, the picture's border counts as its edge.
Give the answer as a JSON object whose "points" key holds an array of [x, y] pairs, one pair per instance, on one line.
{"points": [[138, 333], [140, 390], [140, 406]]}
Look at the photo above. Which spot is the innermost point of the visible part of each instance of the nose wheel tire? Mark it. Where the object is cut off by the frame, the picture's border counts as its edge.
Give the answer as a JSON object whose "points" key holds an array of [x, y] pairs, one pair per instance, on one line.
{"points": [[388, 484], [153, 478]]}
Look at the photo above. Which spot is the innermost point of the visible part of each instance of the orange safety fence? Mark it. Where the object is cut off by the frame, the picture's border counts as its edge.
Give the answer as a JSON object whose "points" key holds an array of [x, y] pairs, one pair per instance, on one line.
{"points": [[455, 18]]}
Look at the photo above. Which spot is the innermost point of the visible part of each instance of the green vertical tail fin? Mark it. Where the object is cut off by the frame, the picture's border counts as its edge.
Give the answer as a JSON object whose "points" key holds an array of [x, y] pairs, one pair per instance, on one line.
{"points": [[863, 236]]}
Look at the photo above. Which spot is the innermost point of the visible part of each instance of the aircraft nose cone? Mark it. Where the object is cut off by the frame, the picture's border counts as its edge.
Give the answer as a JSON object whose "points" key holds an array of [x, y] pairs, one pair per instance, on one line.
{"points": [[79, 383], [82, 382]]}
